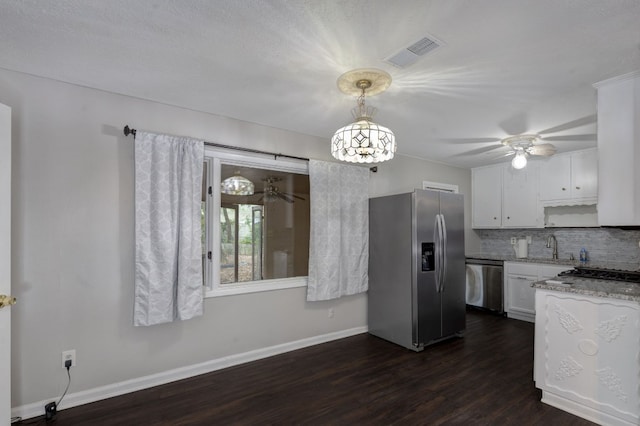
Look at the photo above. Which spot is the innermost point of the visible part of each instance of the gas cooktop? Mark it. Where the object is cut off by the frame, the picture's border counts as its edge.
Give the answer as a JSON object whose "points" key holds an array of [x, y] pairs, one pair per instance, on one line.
{"points": [[602, 274]]}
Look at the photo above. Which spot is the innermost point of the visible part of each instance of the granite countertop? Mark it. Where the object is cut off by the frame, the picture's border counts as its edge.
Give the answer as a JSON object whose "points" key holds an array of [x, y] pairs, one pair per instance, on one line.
{"points": [[590, 287], [585, 286], [546, 260], [518, 259]]}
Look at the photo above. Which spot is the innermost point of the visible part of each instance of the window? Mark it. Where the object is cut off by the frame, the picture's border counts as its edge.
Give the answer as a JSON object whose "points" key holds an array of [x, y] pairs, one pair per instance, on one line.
{"points": [[255, 242]]}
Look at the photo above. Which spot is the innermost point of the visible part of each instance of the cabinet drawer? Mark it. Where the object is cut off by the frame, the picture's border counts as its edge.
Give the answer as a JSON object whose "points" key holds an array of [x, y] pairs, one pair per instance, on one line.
{"points": [[522, 268]]}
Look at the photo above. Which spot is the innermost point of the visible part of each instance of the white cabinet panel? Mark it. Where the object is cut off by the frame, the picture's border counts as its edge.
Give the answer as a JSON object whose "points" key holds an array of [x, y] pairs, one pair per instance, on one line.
{"points": [[519, 295], [520, 197], [619, 151], [505, 198], [487, 197], [555, 178], [584, 174], [586, 355], [569, 179]]}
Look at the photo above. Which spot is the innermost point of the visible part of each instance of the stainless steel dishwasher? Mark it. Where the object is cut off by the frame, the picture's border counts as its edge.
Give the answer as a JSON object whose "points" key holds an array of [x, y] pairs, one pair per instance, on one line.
{"points": [[485, 284]]}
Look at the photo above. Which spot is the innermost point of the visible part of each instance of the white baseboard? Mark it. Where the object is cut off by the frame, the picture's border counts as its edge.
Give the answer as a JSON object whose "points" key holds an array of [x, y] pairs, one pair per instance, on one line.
{"points": [[585, 412], [103, 392]]}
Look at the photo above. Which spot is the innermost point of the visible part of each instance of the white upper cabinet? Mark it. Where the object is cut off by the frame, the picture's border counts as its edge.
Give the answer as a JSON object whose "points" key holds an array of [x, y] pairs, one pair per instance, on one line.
{"points": [[619, 151], [486, 200], [520, 197], [569, 179], [505, 198]]}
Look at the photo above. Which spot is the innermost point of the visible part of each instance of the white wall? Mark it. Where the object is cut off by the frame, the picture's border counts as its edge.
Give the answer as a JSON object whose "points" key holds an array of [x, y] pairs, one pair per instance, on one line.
{"points": [[404, 174], [72, 242]]}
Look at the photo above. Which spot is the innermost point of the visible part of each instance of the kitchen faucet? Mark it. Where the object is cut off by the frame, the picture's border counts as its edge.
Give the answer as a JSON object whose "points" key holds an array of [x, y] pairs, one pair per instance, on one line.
{"points": [[555, 245]]}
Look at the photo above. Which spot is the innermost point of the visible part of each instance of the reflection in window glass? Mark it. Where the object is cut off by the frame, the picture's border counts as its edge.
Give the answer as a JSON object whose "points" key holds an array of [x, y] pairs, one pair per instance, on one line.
{"points": [[264, 235]]}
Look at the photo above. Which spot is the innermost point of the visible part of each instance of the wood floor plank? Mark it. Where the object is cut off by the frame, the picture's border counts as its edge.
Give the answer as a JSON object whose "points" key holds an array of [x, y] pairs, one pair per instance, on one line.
{"points": [[484, 378]]}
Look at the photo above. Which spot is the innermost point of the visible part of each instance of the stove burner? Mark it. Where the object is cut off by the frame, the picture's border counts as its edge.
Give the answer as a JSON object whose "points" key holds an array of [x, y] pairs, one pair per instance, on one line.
{"points": [[603, 274]]}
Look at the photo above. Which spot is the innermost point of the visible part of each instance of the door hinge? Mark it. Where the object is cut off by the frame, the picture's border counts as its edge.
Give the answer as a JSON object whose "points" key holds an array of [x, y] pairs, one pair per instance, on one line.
{"points": [[209, 255], [210, 191]]}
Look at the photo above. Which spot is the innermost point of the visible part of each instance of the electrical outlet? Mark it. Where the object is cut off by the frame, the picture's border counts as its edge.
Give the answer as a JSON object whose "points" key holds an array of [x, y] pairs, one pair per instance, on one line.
{"points": [[69, 355], [513, 240], [331, 313], [528, 239]]}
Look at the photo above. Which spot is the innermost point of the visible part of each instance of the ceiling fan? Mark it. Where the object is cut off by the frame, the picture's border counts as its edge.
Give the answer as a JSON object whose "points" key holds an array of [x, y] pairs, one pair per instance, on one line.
{"points": [[272, 193], [525, 145], [531, 144]]}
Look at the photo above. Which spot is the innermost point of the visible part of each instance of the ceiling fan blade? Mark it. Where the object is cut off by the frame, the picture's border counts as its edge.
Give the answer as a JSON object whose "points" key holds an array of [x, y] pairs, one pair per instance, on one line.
{"points": [[479, 150], [590, 119], [543, 149], [470, 140], [284, 197], [569, 138]]}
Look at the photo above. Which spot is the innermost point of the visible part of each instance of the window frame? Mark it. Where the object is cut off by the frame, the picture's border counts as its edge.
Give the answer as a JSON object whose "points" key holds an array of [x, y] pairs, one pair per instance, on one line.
{"points": [[214, 159]]}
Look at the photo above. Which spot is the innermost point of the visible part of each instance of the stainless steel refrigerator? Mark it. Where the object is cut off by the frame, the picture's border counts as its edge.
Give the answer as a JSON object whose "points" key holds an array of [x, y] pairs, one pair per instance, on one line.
{"points": [[416, 267]]}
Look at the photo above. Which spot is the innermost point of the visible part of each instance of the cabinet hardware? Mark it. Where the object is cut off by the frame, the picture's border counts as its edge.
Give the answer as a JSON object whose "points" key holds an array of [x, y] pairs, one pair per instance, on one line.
{"points": [[577, 187]]}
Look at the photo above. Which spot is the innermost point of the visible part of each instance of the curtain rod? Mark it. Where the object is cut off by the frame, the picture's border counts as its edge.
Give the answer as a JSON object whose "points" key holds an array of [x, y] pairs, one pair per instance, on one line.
{"points": [[131, 131]]}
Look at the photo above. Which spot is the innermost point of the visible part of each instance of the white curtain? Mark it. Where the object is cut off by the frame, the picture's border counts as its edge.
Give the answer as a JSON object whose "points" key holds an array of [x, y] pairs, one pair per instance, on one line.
{"points": [[168, 193], [339, 232]]}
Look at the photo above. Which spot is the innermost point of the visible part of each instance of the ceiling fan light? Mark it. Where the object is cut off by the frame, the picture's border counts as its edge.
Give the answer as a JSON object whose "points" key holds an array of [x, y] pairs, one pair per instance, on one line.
{"points": [[237, 185], [519, 161]]}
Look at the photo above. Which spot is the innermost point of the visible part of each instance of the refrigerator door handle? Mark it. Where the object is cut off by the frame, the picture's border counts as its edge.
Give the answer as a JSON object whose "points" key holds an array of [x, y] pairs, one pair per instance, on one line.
{"points": [[436, 250], [443, 252], [439, 254]]}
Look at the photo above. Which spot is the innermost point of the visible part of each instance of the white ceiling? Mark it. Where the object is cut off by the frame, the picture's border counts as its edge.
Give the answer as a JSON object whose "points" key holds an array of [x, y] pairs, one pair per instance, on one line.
{"points": [[506, 67]]}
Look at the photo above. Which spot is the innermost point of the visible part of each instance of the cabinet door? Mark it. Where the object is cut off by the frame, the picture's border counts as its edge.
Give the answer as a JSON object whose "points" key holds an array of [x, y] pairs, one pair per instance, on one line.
{"points": [[555, 178], [521, 297], [584, 174], [583, 353], [619, 152], [487, 197], [520, 198]]}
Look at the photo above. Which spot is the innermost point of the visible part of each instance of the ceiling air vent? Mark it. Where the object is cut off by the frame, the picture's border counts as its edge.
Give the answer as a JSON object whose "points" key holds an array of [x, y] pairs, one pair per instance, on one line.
{"points": [[412, 53]]}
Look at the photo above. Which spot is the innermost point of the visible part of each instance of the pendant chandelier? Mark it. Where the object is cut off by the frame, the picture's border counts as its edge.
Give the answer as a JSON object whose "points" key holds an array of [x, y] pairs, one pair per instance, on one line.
{"points": [[363, 141], [237, 185]]}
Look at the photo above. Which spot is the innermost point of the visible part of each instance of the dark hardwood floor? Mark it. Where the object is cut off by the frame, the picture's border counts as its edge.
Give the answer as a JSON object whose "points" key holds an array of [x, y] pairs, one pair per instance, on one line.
{"points": [[484, 378]]}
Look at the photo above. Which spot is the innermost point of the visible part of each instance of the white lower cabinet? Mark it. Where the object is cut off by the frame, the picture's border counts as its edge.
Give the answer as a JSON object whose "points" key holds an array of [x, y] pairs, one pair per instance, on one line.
{"points": [[587, 356], [519, 295]]}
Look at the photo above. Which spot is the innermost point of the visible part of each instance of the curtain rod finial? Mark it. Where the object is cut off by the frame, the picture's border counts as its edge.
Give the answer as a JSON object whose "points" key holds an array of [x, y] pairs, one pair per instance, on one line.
{"points": [[129, 131]]}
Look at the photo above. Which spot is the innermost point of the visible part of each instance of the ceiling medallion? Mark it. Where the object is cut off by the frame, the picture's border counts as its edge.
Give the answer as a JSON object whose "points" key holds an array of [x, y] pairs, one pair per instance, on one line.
{"points": [[363, 141]]}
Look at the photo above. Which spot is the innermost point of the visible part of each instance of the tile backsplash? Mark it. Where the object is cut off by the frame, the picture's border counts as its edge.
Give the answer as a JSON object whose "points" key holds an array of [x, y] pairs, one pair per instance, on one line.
{"points": [[602, 244]]}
